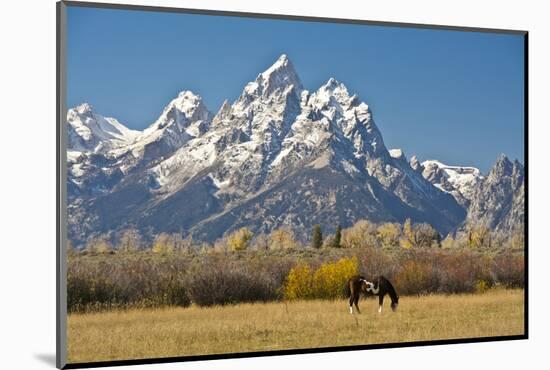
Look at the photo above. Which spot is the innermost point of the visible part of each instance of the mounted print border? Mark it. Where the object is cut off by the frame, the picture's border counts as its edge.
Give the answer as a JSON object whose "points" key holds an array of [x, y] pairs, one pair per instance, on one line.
{"points": [[209, 231]]}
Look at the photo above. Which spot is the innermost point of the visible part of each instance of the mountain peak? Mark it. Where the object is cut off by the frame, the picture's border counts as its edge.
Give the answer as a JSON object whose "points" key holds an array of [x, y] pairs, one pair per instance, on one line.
{"points": [[281, 64], [415, 164], [224, 110], [84, 108], [334, 92], [184, 110], [91, 132], [279, 75], [186, 102], [397, 154], [502, 167], [188, 94], [502, 158], [333, 84]]}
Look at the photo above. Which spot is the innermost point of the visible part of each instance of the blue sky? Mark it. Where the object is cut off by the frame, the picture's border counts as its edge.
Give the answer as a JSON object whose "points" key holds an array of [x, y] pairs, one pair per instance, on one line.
{"points": [[447, 95]]}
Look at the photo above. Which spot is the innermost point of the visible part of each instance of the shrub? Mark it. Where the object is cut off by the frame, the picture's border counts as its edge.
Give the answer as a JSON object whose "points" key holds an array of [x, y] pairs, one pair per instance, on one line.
{"points": [[328, 242], [326, 282], [407, 240], [479, 237], [130, 241], [448, 242], [417, 277], [362, 234], [377, 262], [220, 282], [99, 245], [240, 239], [260, 242], [481, 286], [299, 283], [389, 234], [517, 240], [282, 239], [164, 244], [461, 272], [330, 278], [118, 281], [509, 270]]}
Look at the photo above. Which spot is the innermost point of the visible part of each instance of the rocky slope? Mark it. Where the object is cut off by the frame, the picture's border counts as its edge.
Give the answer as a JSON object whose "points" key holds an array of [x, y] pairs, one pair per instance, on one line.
{"points": [[458, 181], [280, 155], [499, 200]]}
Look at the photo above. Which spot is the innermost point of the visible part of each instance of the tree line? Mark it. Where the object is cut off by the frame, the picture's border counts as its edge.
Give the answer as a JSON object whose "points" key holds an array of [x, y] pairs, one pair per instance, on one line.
{"points": [[362, 234]]}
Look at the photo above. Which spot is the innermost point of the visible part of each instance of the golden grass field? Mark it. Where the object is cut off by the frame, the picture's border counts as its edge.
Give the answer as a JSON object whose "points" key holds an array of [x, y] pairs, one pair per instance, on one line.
{"points": [[166, 332]]}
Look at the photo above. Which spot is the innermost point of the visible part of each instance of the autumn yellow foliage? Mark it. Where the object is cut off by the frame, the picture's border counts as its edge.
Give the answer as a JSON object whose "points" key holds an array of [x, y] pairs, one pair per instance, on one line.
{"points": [[240, 239], [325, 282]]}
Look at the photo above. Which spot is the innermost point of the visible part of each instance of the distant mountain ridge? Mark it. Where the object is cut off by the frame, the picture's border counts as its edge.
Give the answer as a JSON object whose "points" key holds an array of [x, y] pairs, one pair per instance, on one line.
{"points": [[460, 182], [499, 201], [91, 132], [279, 156]]}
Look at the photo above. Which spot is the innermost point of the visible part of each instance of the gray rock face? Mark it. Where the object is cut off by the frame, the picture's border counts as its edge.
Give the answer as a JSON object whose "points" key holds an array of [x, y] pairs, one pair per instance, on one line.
{"points": [[279, 155], [459, 181], [499, 199]]}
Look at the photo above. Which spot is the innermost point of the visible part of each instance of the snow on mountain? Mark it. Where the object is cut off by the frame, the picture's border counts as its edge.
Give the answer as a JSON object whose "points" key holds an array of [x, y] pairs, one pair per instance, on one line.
{"points": [[278, 77], [459, 181], [183, 119], [89, 131], [397, 153], [184, 116], [279, 155], [245, 138]]}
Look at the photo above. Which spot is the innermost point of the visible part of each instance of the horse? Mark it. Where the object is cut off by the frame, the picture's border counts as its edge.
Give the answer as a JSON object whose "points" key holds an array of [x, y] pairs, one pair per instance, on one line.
{"points": [[378, 285]]}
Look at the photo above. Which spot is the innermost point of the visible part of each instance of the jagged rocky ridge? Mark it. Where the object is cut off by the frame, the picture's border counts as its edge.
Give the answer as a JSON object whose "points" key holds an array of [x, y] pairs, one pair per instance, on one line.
{"points": [[278, 156], [499, 201]]}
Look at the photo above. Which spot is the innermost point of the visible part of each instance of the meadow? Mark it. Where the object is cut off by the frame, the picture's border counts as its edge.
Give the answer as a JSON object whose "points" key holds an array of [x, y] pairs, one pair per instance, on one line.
{"points": [[248, 327], [166, 300]]}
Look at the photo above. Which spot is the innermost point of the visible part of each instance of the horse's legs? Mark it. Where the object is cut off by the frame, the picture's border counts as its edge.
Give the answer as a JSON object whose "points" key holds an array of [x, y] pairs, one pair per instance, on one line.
{"points": [[350, 304], [380, 302], [355, 301]]}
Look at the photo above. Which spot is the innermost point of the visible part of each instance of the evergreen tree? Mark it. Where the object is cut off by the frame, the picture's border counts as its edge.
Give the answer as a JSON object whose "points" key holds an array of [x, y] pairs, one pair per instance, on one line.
{"points": [[437, 239], [317, 237], [337, 237]]}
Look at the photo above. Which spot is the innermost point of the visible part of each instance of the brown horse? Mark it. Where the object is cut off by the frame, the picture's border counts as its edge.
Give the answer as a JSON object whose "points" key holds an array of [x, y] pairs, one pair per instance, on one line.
{"points": [[378, 285]]}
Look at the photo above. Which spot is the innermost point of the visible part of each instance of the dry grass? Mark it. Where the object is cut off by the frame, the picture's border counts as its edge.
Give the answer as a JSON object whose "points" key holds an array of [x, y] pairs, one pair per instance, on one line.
{"points": [[167, 332]]}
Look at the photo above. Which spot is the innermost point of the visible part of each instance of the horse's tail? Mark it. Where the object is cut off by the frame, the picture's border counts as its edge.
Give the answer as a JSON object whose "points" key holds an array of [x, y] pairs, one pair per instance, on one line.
{"points": [[347, 288], [351, 282]]}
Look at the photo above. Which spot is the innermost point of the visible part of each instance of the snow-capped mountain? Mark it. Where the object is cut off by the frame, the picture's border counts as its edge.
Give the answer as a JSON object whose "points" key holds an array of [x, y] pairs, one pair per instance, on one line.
{"points": [[280, 155], [89, 131], [458, 181], [183, 119]]}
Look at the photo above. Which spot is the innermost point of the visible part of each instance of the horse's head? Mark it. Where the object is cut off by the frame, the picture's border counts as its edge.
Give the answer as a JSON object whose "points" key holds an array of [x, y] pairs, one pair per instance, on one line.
{"points": [[395, 303]]}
